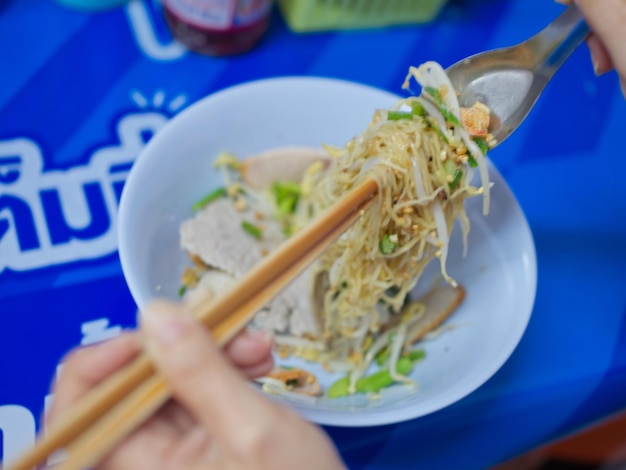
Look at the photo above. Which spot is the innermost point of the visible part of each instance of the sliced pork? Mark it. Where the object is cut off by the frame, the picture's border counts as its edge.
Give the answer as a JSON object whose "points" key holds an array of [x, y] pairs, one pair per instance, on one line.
{"points": [[284, 164], [215, 236]]}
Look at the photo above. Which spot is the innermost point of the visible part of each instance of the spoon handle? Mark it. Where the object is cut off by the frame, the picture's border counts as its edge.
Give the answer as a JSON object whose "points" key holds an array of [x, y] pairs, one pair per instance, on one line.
{"points": [[554, 44]]}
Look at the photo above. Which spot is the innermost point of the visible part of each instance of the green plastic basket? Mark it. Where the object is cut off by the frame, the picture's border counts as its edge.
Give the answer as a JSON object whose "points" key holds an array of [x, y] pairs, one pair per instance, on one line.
{"points": [[322, 15]]}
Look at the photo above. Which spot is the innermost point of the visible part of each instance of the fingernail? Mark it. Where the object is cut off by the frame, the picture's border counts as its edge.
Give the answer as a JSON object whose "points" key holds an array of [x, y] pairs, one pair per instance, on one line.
{"points": [[165, 324]]}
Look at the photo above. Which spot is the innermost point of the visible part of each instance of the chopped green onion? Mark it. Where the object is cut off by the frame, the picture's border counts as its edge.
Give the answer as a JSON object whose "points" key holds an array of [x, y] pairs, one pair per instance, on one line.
{"points": [[339, 388], [456, 179], [416, 355], [447, 114], [397, 115], [392, 291], [286, 194], [375, 382], [418, 109], [182, 291], [434, 93], [387, 246], [404, 366], [379, 380], [287, 205], [372, 383], [252, 229], [212, 196], [471, 160], [282, 188], [482, 145], [435, 127], [382, 355]]}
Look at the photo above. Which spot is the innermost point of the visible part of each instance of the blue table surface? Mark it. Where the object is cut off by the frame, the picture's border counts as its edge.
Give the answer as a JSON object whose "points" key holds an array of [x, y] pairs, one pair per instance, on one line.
{"points": [[75, 87]]}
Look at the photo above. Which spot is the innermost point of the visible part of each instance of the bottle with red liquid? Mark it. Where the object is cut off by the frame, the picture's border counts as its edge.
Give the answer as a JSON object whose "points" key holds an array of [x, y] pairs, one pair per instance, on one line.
{"points": [[218, 27]]}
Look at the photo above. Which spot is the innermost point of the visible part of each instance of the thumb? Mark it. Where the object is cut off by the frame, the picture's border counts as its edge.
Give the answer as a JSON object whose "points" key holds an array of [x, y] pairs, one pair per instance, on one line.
{"points": [[201, 378]]}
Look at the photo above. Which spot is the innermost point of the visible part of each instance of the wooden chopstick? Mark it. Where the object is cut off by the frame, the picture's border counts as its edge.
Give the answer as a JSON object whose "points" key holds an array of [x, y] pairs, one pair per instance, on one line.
{"points": [[95, 442], [138, 391], [89, 448]]}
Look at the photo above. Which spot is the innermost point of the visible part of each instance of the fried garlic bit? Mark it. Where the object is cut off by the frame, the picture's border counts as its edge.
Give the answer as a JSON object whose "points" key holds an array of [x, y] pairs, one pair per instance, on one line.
{"points": [[191, 275]]}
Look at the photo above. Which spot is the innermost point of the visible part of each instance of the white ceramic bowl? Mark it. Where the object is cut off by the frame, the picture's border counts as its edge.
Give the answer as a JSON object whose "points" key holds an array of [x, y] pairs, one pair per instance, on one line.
{"points": [[175, 169]]}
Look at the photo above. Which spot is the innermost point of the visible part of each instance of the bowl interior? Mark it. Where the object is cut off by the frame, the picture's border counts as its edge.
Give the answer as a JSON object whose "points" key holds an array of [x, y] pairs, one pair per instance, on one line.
{"points": [[175, 170]]}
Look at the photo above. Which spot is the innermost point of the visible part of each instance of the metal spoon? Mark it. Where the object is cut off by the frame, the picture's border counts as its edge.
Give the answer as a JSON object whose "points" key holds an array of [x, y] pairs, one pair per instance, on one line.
{"points": [[510, 80]]}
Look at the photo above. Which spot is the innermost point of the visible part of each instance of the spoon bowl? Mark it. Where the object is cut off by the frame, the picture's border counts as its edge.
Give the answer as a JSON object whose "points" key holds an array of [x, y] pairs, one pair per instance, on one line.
{"points": [[510, 80]]}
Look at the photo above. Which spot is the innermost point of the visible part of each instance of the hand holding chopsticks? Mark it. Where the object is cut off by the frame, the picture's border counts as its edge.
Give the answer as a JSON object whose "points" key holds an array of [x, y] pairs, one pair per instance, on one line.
{"points": [[215, 419], [128, 398]]}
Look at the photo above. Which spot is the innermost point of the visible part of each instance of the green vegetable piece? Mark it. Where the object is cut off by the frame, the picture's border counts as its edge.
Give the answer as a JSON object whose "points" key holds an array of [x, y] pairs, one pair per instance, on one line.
{"points": [[390, 309], [382, 356], [434, 93], [212, 196], [287, 187], [291, 382], [416, 355], [456, 179], [392, 291], [450, 117], [437, 130], [404, 366], [450, 166], [471, 160], [287, 205], [339, 388], [379, 380], [375, 382], [418, 109], [397, 115], [387, 246], [286, 194], [484, 148], [482, 145], [181, 291], [252, 229]]}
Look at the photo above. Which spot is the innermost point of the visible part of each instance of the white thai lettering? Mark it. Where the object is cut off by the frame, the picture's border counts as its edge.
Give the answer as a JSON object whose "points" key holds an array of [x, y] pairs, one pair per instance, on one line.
{"points": [[59, 216], [145, 36], [18, 431], [98, 330]]}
